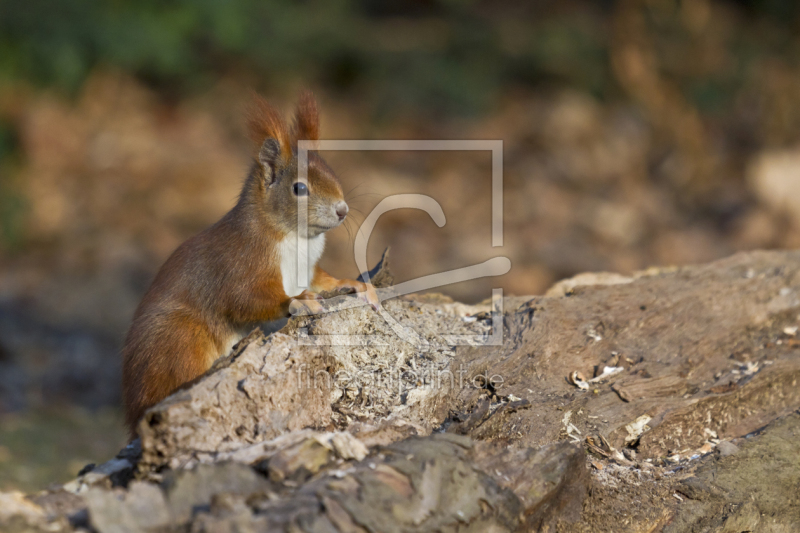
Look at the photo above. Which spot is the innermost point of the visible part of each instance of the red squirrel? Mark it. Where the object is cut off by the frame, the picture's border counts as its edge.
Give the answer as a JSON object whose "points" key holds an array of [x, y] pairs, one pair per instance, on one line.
{"points": [[218, 285]]}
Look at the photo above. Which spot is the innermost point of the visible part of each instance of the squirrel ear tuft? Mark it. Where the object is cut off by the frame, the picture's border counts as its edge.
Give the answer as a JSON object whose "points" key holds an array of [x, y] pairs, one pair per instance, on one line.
{"points": [[266, 123], [306, 119]]}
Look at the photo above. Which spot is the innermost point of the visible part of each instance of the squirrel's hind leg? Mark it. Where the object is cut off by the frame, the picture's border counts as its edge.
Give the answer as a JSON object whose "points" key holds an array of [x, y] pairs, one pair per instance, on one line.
{"points": [[184, 351]]}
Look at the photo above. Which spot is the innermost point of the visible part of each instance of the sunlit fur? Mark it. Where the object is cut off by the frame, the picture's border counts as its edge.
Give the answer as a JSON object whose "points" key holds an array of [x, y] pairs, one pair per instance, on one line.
{"points": [[222, 282]]}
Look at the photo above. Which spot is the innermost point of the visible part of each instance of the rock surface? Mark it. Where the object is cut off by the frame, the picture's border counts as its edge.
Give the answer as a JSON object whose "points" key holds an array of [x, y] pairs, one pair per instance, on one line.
{"points": [[666, 401]]}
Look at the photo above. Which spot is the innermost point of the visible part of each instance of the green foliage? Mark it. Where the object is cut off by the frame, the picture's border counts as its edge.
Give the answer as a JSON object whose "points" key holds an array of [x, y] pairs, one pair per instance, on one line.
{"points": [[442, 55], [447, 56]]}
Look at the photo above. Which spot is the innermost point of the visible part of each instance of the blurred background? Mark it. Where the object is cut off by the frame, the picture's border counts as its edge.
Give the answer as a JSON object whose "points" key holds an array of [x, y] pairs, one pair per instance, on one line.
{"points": [[636, 133]]}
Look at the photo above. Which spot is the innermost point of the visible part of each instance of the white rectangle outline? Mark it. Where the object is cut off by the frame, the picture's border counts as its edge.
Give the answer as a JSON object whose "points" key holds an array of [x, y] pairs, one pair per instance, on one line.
{"points": [[495, 146]]}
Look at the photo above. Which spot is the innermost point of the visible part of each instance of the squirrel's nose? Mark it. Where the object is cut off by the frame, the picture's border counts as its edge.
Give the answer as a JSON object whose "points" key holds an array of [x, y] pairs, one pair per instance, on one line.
{"points": [[341, 210]]}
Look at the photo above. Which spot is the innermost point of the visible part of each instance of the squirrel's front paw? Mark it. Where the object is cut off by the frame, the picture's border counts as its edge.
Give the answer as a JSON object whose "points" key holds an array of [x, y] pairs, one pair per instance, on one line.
{"points": [[306, 303], [364, 292]]}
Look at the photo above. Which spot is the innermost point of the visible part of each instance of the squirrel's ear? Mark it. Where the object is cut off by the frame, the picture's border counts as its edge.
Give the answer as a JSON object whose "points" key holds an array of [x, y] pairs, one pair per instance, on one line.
{"points": [[306, 119], [269, 155], [267, 124]]}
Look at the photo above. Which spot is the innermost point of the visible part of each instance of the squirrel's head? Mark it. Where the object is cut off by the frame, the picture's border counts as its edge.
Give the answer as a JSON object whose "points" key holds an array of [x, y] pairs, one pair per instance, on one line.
{"points": [[276, 182]]}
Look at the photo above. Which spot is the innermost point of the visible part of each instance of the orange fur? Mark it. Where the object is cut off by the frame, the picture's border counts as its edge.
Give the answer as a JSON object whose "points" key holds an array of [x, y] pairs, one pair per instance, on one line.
{"points": [[224, 281], [266, 122], [325, 282], [197, 302], [306, 120]]}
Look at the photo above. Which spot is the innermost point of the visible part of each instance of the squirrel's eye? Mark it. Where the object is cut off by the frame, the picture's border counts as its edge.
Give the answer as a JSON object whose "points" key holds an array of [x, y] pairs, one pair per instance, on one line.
{"points": [[300, 189]]}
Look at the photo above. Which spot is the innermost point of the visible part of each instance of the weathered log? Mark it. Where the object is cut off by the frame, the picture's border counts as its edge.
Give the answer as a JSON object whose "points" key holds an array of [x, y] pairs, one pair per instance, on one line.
{"points": [[407, 420], [704, 352]]}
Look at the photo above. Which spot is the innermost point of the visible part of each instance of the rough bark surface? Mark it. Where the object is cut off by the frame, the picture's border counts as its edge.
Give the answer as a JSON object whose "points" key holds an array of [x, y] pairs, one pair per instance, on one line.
{"points": [[663, 401]]}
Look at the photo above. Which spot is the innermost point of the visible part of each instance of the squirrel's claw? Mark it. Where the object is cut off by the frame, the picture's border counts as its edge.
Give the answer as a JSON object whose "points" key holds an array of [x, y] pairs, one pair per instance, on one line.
{"points": [[363, 291], [306, 303]]}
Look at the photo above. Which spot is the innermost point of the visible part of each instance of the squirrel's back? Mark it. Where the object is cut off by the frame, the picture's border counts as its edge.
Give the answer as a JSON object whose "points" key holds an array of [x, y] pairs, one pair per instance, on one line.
{"points": [[183, 323], [241, 271]]}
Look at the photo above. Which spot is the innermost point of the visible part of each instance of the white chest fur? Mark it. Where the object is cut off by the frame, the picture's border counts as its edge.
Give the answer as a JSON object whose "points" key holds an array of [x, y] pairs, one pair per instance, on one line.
{"points": [[308, 251]]}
